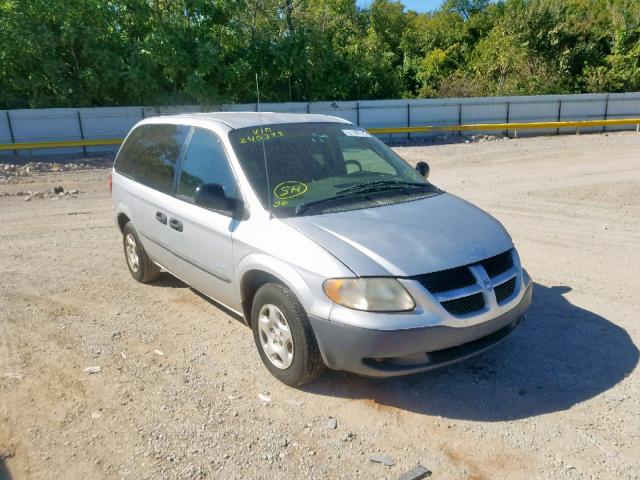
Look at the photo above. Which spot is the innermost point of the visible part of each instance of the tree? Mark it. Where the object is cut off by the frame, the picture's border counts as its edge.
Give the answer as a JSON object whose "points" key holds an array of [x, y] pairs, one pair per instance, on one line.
{"points": [[465, 8], [56, 53]]}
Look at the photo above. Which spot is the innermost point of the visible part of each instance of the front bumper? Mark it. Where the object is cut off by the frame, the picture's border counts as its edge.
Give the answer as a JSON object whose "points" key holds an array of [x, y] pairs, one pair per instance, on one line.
{"points": [[385, 353]]}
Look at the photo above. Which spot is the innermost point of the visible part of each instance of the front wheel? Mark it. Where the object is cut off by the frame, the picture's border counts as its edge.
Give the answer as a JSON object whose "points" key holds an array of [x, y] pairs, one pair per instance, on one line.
{"points": [[284, 337]]}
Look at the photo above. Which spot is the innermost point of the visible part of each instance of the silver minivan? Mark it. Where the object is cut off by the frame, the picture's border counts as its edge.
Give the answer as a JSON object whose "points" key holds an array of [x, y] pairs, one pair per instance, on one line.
{"points": [[331, 248]]}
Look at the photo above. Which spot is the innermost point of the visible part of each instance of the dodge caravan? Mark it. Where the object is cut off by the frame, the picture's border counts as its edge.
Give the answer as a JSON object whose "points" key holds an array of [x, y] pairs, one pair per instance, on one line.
{"points": [[333, 250]]}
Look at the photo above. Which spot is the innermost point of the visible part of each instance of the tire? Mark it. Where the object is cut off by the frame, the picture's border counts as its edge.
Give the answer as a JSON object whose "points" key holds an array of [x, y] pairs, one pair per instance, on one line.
{"points": [[140, 265], [294, 357]]}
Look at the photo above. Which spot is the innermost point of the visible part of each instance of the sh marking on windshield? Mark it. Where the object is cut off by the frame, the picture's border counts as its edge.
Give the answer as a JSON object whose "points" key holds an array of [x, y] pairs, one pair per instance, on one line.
{"points": [[289, 189]]}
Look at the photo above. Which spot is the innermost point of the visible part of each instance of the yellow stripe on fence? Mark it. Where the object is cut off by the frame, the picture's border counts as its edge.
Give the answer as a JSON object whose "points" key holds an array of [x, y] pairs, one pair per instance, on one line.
{"points": [[506, 126], [578, 124], [60, 144]]}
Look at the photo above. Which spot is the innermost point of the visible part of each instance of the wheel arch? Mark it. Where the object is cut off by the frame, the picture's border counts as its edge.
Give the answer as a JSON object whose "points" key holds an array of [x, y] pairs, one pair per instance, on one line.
{"points": [[250, 283], [256, 270], [122, 219], [123, 216]]}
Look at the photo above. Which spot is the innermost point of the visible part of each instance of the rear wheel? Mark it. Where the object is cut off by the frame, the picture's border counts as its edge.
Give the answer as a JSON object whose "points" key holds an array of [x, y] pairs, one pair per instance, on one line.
{"points": [[140, 265], [284, 337]]}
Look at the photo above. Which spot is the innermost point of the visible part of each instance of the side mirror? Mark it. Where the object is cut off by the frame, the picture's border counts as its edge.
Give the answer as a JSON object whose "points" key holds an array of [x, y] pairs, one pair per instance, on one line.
{"points": [[423, 169], [212, 197]]}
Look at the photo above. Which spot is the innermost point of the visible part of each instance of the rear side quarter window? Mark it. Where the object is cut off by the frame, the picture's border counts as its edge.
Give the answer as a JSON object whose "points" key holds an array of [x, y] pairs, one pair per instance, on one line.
{"points": [[150, 155]]}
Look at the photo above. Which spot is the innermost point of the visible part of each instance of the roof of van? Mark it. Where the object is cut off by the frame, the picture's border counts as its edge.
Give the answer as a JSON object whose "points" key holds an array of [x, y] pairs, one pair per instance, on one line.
{"points": [[235, 120]]}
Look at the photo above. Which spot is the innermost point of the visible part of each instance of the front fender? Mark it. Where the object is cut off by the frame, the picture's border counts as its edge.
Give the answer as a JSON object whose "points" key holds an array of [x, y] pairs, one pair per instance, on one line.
{"points": [[307, 286]]}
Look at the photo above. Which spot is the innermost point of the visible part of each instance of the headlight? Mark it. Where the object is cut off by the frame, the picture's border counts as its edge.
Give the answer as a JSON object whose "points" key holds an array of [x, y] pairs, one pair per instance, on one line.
{"points": [[370, 294]]}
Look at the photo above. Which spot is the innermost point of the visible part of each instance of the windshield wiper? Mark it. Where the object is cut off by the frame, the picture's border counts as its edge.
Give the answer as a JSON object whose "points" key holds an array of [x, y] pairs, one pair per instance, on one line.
{"points": [[305, 206], [378, 185], [362, 188]]}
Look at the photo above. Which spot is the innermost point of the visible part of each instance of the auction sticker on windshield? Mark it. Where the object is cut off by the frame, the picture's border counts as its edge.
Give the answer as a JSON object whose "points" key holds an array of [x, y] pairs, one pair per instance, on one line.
{"points": [[356, 133]]}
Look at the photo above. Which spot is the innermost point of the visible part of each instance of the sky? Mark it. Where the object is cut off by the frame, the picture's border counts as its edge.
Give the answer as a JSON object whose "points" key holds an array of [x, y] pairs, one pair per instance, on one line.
{"points": [[417, 5]]}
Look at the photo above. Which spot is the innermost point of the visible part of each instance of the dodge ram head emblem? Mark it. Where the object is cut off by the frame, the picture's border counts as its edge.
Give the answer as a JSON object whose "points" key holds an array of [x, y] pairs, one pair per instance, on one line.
{"points": [[488, 287]]}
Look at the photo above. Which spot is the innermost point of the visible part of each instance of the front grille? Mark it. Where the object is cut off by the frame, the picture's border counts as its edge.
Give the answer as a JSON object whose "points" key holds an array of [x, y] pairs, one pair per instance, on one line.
{"points": [[494, 266], [460, 277], [505, 290], [446, 280], [464, 305]]}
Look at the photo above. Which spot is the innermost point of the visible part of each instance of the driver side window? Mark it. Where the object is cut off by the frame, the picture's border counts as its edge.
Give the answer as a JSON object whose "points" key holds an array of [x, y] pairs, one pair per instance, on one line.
{"points": [[205, 162]]}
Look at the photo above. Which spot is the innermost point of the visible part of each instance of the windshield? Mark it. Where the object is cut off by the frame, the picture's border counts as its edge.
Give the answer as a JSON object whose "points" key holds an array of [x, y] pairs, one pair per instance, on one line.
{"points": [[316, 163]]}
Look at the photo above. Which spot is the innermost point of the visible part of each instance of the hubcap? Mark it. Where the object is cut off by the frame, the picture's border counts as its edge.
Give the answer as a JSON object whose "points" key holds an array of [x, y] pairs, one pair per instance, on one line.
{"points": [[275, 336], [131, 249]]}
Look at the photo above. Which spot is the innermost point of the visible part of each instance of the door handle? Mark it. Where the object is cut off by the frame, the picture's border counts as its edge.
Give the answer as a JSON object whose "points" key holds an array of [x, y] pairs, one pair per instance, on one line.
{"points": [[161, 217], [175, 224]]}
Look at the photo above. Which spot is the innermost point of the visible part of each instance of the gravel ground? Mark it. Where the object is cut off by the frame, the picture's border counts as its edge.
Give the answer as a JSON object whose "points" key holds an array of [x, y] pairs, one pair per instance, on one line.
{"points": [[181, 392]]}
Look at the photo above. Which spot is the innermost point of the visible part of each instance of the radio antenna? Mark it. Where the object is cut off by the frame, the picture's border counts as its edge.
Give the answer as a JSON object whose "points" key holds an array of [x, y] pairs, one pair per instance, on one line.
{"points": [[264, 149]]}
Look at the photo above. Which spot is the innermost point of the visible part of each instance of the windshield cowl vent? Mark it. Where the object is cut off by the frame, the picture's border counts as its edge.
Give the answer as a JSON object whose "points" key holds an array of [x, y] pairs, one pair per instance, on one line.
{"points": [[360, 203]]}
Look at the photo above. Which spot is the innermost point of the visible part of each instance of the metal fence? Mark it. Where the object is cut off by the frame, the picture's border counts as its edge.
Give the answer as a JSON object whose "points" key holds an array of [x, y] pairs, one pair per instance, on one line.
{"points": [[66, 124]]}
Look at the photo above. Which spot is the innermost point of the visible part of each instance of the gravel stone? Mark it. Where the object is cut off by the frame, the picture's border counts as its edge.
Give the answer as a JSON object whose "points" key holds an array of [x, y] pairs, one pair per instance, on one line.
{"points": [[416, 473], [380, 458]]}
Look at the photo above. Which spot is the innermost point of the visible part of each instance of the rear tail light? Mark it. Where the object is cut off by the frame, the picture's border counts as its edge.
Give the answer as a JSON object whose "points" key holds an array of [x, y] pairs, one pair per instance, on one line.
{"points": [[110, 182]]}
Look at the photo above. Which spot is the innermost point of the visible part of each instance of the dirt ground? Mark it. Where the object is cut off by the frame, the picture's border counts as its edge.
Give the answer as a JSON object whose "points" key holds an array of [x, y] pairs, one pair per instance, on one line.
{"points": [[177, 395]]}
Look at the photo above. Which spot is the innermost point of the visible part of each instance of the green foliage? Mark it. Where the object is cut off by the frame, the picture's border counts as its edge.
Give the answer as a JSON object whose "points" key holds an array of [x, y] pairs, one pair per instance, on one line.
{"points": [[62, 53]]}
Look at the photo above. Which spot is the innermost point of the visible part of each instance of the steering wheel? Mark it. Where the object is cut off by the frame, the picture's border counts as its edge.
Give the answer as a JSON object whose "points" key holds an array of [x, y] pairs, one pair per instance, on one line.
{"points": [[356, 163]]}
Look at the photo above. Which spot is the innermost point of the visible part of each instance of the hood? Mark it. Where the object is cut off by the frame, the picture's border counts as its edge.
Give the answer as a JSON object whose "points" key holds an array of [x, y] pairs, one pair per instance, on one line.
{"points": [[409, 238]]}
